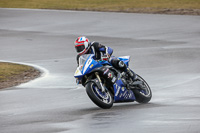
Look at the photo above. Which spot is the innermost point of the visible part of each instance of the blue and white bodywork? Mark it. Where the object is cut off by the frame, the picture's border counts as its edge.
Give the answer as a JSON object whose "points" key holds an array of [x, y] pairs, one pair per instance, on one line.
{"points": [[88, 66]]}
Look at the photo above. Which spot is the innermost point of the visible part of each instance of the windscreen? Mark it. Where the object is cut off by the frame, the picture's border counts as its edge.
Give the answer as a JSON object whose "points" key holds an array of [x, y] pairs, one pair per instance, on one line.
{"points": [[82, 59]]}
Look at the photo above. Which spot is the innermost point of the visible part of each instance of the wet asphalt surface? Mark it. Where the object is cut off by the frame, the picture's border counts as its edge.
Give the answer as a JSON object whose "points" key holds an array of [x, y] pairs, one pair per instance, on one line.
{"points": [[164, 50]]}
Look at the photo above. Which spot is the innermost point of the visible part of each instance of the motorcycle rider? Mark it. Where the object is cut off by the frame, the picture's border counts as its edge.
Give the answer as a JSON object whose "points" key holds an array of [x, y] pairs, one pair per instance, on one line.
{"points": [[84, 46]]}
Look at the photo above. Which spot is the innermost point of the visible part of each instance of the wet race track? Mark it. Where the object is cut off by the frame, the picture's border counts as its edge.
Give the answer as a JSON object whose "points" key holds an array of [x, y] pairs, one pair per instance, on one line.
{"points": [[164, 50]]}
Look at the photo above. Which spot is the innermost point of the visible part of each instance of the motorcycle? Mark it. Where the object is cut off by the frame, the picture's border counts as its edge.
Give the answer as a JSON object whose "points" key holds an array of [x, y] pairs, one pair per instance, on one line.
{"points": [[106, 85]]}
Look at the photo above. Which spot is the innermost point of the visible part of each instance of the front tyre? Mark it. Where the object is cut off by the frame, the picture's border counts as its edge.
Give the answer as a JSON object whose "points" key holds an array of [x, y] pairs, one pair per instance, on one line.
{"points": [[102, 99], [142, 92]]}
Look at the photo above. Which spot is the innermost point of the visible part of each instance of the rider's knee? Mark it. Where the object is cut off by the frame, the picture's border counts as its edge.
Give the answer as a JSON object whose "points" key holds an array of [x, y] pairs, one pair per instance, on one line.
{"points": [[118, 64], [121, 64]]}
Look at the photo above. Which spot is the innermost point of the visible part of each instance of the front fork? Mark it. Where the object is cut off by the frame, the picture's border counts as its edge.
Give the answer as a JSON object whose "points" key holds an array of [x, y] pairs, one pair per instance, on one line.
{"points": [[100, 82]]}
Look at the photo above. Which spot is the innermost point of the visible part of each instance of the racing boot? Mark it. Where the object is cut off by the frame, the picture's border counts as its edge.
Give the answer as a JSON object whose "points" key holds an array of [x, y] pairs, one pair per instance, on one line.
{"points": [[127, 70], [131, 74], [122, 66]]}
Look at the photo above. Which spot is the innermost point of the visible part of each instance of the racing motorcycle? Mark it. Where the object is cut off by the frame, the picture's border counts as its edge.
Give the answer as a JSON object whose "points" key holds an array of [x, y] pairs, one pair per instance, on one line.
{"points": [[106, 85]]}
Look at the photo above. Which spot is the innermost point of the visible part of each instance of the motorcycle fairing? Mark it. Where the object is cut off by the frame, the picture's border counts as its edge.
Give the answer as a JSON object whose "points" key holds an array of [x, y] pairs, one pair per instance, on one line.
{"points": [[122, 94], [87, 65]]}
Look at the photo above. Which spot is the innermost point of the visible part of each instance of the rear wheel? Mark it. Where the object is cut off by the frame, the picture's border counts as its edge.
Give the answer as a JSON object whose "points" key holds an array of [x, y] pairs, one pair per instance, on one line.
{"points": [[142, 92], [101, 99]]}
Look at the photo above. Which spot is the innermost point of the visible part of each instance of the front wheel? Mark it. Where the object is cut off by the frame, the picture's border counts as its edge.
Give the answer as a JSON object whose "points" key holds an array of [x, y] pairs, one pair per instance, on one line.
{"points": [[142, 92], [102, 99]]}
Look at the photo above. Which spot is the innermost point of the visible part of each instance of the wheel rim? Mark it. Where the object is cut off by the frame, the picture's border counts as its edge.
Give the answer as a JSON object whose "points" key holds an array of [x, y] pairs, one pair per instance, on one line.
{"points": [[103, 96]]}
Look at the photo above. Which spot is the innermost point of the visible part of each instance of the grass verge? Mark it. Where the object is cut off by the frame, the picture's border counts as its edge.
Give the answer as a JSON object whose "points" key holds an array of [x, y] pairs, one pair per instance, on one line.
{"points": [[144, 6], [13, 74]]}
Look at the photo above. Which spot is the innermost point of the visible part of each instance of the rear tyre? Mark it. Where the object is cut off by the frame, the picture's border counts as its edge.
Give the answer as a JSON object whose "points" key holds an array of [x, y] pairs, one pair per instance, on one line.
{"points": [[102, 99], [143, 92]]}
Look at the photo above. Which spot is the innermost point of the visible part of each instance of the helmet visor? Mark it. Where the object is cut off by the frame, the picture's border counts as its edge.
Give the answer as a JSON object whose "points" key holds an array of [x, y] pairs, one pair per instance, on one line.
{"points": [[80, 48]]}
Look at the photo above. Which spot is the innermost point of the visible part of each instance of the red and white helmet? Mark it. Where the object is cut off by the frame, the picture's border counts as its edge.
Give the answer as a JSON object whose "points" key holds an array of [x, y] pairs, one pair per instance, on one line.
{"points": [[82, 45]]}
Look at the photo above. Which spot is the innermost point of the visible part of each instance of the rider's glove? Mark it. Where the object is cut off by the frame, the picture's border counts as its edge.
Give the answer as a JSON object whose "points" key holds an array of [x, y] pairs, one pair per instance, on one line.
{"points": [[105, 57]]}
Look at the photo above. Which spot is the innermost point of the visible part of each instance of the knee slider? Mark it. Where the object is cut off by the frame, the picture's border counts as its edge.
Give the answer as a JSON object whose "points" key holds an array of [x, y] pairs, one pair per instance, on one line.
{"points": [[121, 64]]}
